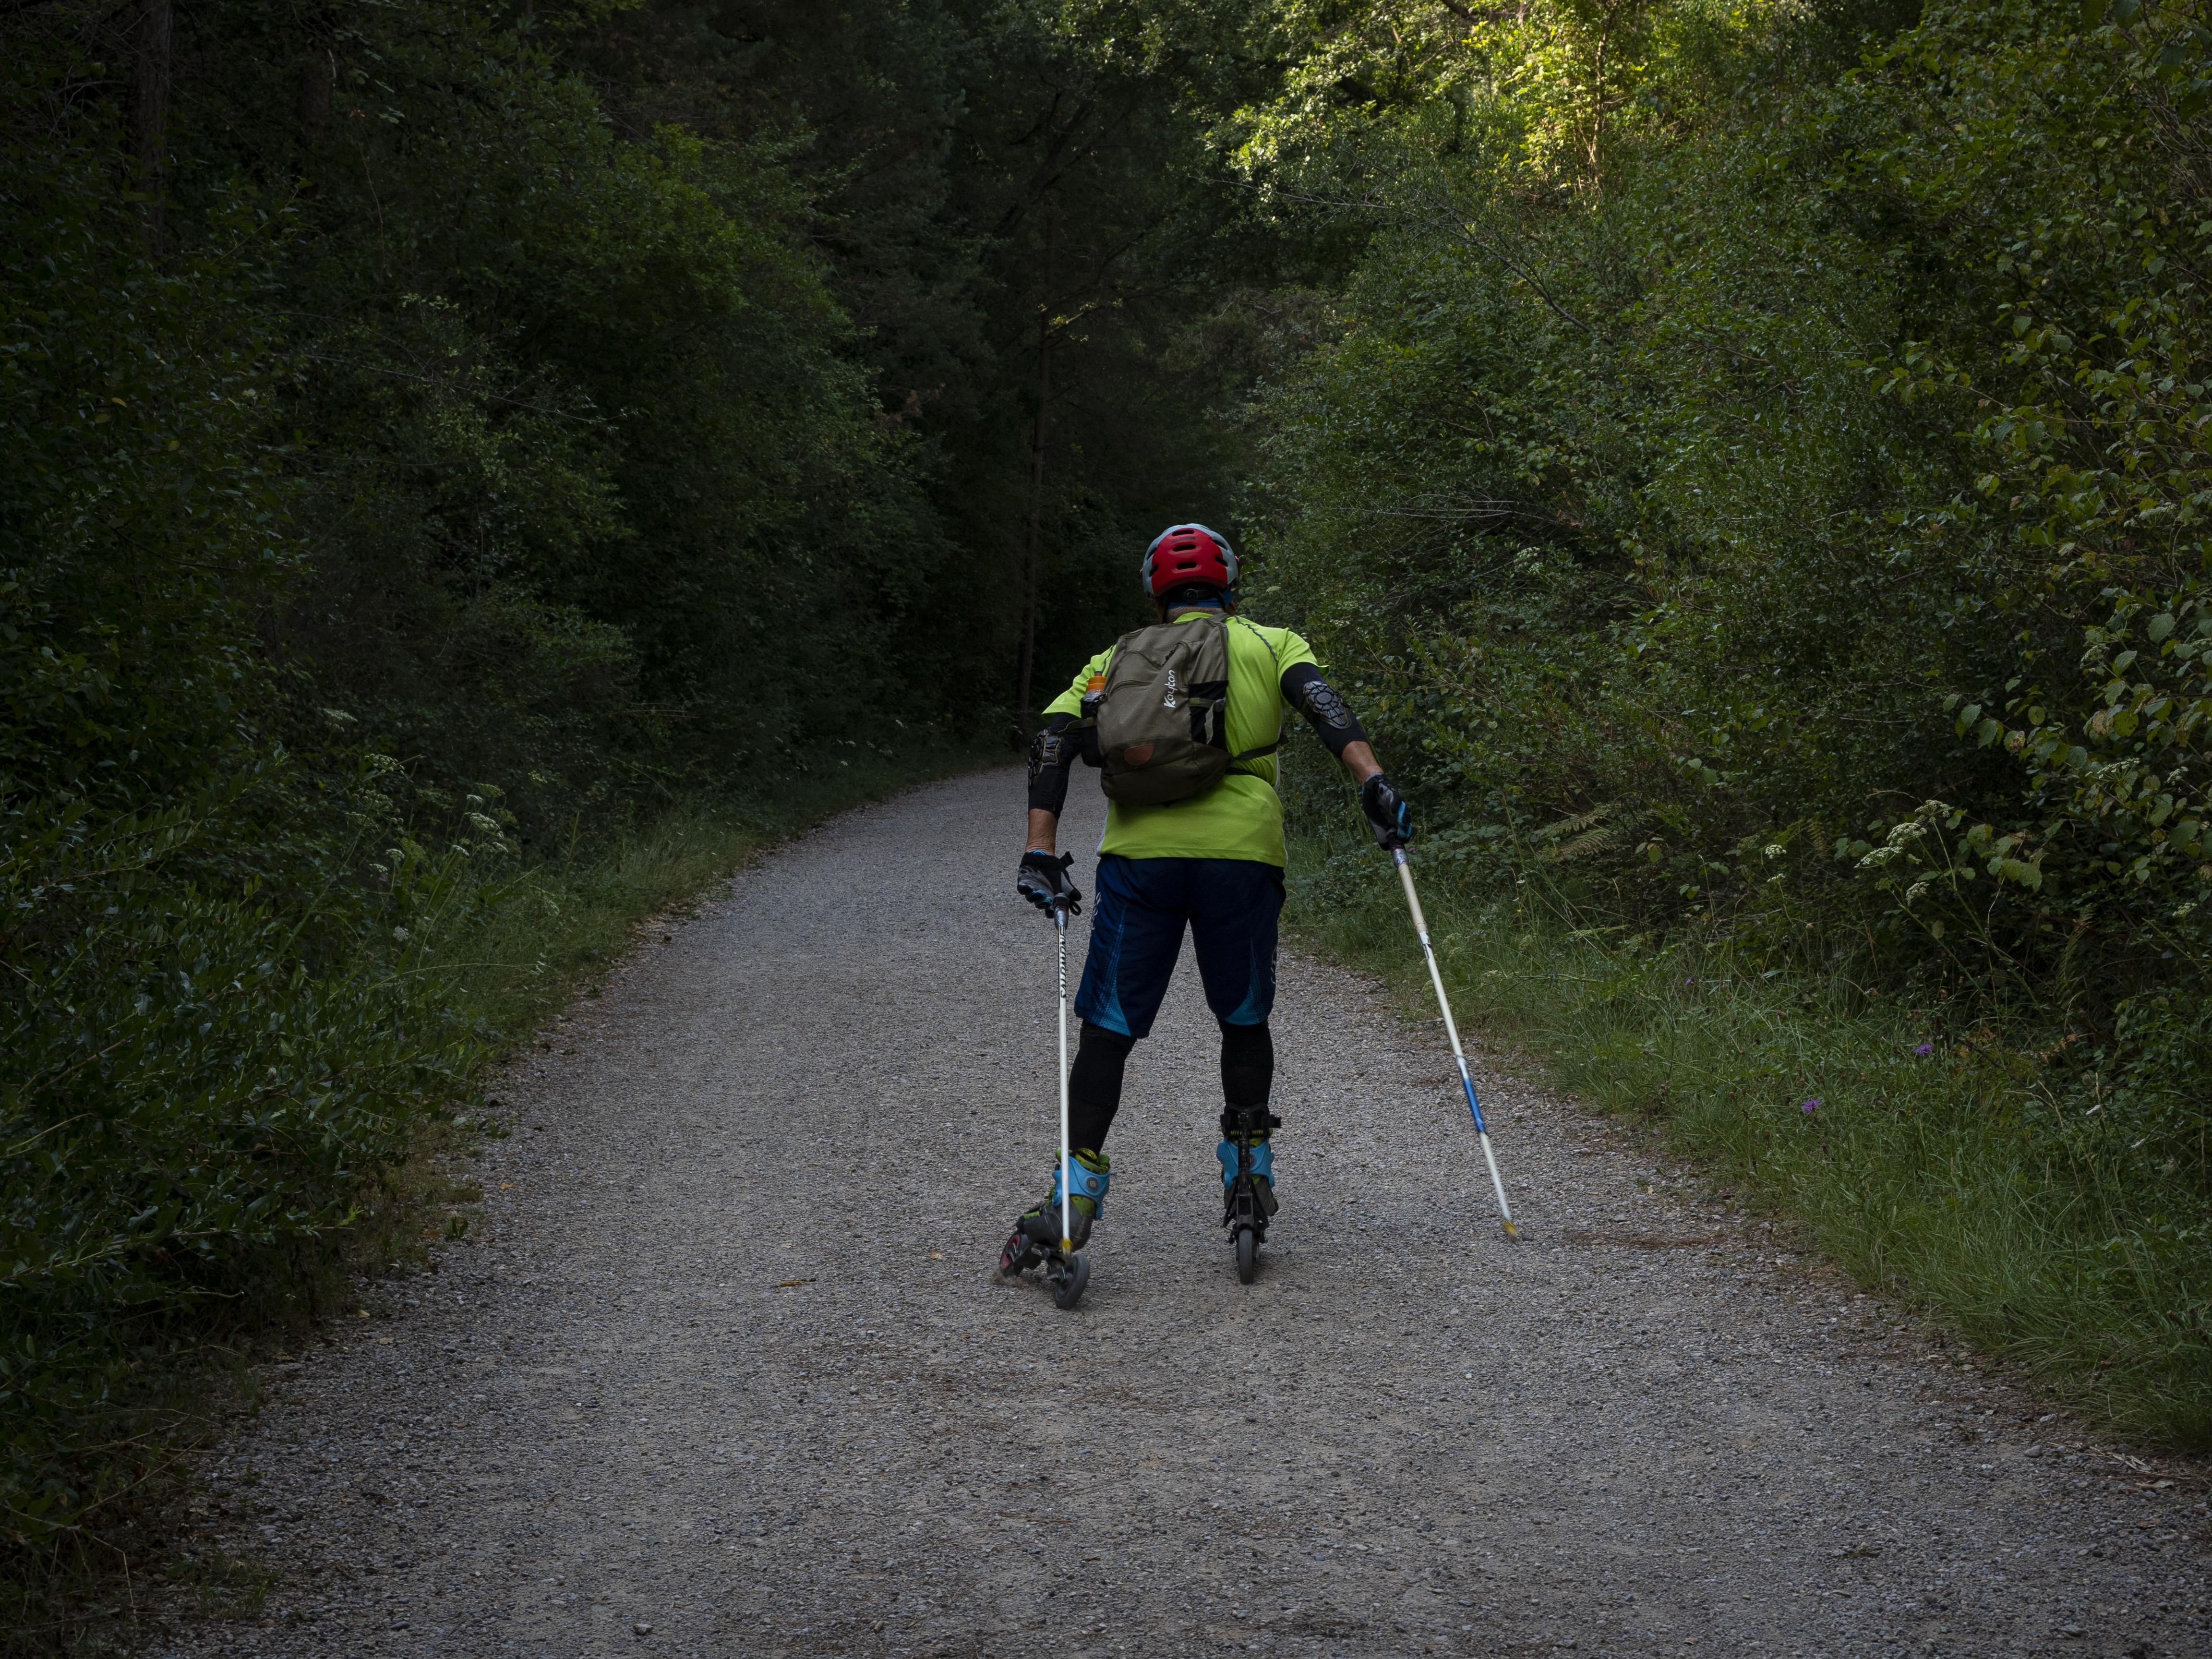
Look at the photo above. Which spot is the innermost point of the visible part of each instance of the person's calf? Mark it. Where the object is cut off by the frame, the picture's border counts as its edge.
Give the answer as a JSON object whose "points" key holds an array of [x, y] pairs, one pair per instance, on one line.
{"points": [[1247, 1076], [1094, 1084], [1248, 1064]]}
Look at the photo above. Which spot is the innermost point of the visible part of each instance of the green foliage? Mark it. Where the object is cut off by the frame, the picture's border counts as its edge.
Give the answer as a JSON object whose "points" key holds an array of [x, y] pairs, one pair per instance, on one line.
{"points": [[211, 1032], [439, 440], [996, 183], [1772, 520], [1905, 1161], [200, 1077], [574, 398]]}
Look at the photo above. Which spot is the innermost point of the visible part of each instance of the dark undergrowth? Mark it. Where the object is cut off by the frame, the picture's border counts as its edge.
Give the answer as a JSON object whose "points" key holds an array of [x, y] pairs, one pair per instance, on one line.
{"points": [[1758, 532], [110, 1546], [1898, 1141]]}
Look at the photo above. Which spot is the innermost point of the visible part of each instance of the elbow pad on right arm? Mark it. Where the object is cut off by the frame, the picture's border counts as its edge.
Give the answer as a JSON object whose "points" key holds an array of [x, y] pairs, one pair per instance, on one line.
{"points": [[1305, 690]]}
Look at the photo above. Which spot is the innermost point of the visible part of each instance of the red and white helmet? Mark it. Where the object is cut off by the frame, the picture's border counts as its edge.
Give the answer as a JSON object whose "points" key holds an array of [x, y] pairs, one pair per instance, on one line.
{"points": [[1185, 554]]}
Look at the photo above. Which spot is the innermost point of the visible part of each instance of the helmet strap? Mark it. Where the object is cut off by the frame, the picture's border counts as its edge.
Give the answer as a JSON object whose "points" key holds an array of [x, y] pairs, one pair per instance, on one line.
{"points": [[1218, 600]]}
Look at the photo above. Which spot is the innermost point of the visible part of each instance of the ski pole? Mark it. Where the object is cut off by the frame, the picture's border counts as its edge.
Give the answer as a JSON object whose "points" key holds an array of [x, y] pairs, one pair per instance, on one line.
{"points": [[1451, 1030], [1067, 1157]]}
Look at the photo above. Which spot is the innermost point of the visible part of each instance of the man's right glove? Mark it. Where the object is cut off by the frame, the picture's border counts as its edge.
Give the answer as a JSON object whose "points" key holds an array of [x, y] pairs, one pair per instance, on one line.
{"points": [[1388, 815], [1042, 880]]}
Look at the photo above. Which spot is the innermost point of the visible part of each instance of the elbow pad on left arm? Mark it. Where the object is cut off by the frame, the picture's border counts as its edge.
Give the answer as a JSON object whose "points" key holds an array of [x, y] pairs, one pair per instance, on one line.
{"points": [[1305, 690], [1052, 750]]}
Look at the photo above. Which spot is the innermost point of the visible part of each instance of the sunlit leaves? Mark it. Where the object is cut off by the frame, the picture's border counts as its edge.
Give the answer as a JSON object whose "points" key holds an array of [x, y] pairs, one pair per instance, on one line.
{"points": [[1873, 466]]}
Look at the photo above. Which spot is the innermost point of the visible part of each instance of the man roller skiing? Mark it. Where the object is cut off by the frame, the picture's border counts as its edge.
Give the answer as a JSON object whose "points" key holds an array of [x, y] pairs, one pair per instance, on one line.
{"points": [[1210, 860]]}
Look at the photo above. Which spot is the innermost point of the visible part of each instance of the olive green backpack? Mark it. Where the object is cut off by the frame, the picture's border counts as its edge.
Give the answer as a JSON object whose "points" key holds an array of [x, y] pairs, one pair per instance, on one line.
{"points": [[1163, 716]]}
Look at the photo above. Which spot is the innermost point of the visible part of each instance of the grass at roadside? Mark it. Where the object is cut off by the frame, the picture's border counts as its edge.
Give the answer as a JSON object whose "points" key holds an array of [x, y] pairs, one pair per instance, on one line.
{"points": [[107, 1580], [556, 926], [1913, 1163], [563, 920]]}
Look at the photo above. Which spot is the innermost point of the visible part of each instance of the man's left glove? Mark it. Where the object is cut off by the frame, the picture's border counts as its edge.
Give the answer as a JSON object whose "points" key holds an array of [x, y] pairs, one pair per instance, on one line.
{"points": [[1388, 815], [1042, 880]]}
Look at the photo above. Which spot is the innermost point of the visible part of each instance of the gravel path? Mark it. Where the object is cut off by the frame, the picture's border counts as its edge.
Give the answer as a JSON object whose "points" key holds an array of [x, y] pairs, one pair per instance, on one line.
{"points": [[721, 1370]]}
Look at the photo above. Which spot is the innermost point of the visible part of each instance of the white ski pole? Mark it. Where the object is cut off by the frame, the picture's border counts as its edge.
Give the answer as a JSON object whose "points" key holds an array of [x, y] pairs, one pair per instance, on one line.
{"points": [[1451, 1030], [1067, 1157]]}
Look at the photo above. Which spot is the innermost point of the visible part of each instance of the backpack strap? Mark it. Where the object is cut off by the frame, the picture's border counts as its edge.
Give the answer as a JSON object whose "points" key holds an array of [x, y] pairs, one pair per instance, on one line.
{"points": [[1265, 749]]}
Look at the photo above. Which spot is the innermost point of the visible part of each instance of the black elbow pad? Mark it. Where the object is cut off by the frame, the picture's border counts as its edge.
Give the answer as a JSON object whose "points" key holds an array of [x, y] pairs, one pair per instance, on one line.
{"points": [[1052, 750], [1305, 690]]}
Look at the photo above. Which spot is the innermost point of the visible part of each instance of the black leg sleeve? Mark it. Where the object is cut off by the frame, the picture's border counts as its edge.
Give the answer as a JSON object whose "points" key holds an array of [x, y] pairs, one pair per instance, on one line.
{"points": [[1248, 1066], [1094, 1085]]}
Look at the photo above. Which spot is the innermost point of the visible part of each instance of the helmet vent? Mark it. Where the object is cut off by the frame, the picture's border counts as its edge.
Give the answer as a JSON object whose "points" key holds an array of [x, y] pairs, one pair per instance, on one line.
{"points": [[1185, 554]]}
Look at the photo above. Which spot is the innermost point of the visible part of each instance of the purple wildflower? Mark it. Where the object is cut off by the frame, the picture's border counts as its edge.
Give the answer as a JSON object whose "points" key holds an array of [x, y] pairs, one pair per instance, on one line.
{"points": [[1925, 1049], [1810, 1106]]}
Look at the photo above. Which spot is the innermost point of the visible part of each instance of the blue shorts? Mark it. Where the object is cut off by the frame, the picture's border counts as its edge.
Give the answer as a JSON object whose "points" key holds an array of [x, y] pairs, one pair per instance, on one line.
{"points": [[1136, 934]]}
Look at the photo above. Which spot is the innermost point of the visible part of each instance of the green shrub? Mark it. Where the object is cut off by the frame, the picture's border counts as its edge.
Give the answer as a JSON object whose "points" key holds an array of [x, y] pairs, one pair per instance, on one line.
{"points": [[1935, 1171], [1767, 515], [201, 1078]]}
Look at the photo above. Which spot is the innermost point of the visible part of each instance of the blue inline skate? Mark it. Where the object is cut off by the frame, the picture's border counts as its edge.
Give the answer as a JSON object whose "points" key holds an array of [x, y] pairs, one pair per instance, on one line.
{"points": [[1036, 1240], [1247, 1182]]}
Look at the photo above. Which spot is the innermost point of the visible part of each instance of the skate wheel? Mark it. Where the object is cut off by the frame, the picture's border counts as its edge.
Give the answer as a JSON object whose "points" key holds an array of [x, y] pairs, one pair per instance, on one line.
{"points": [[1247, 1255], [1067, 1287]]}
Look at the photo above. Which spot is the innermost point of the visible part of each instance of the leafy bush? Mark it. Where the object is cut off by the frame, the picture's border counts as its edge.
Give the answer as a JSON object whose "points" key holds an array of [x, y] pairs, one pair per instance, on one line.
{"points": [[212, 1033], [1756, 488], [439, 447], [201, 1078], [1907, 1161]]}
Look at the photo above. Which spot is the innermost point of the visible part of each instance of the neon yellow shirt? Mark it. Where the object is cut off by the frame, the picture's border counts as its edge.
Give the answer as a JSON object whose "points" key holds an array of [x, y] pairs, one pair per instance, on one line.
{"points": [[1242, 816]]}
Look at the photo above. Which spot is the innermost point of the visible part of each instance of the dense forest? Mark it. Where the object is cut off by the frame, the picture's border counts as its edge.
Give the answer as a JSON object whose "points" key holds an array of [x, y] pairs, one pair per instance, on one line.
{"points": [[1749, 460], [437, 435], [1758, 467]]}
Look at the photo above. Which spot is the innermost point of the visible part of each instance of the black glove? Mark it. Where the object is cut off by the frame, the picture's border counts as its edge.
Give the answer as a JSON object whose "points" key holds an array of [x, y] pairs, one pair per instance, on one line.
{"points": [[1388, 815], [1042, 880]]}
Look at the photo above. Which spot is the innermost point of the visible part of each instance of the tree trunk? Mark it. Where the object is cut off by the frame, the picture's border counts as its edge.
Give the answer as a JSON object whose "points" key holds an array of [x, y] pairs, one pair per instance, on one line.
{"points": [[149, 104], [1033, 564], [315, 96]]}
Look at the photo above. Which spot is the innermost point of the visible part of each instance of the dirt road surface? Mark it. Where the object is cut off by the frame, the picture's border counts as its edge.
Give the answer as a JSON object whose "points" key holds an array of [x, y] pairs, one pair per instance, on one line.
{"points": [[721, 1370]]}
